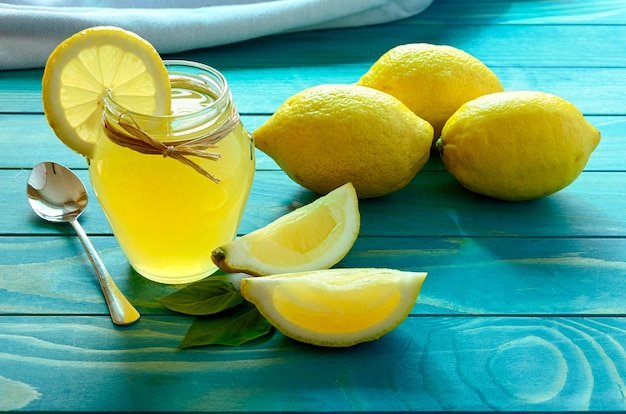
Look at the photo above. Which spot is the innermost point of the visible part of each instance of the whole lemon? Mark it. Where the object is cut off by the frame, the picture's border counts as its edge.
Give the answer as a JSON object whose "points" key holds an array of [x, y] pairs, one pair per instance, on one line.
{"points": [[328, 135], [517, 145], [432, 80]]}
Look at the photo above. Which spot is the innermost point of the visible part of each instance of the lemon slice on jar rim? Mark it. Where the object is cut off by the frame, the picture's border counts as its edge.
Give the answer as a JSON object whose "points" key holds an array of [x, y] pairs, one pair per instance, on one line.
{"points": [[88, 65]]}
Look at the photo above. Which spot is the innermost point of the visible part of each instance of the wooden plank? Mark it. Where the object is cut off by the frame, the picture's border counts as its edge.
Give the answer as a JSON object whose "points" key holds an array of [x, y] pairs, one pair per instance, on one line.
{"points": [[523, 56], [545, 12], [494, 44], [491, 276], [52, 275], [19, 131], [427, 364], [32, 132], [471, 276], [591, 90], [433, 204]]}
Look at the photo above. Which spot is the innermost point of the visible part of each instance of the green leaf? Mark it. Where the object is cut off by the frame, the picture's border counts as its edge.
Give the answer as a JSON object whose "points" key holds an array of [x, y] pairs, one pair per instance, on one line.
{"points": [[206, 297], [232, 327]]}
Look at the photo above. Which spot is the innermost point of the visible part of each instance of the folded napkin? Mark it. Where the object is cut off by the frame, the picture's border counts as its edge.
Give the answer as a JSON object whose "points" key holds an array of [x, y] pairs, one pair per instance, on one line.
{"points": [[31, 29]]}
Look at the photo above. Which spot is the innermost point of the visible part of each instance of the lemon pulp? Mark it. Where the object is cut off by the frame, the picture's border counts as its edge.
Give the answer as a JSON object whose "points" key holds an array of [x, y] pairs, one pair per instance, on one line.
{"points": [[316, 309]]}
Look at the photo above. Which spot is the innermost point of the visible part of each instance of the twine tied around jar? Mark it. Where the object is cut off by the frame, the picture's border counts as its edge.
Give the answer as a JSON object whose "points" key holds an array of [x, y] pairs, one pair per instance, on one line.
{"points": [[135, 138]]}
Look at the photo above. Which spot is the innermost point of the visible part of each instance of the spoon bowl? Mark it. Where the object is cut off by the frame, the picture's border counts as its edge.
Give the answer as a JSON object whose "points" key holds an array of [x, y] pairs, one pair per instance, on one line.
{"points": [[57, 195]]}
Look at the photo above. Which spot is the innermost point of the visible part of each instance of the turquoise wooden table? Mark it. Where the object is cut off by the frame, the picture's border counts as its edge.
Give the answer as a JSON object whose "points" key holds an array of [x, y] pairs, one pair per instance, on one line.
{"points": [[524, 305]]}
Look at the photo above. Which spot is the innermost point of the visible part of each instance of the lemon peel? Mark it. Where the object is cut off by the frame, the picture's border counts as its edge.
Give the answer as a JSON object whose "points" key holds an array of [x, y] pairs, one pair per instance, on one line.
{"points": [[327, 135], [432, 80], [517, 145]]}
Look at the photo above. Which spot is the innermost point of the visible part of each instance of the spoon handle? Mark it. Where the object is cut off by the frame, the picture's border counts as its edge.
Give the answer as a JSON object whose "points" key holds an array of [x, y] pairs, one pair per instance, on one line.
{"points": [[122, 311]]}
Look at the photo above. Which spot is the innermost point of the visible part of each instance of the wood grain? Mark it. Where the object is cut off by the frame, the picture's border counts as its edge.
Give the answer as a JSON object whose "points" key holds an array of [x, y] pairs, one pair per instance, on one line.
{"points": [[33, 132], [433, 204], [471, 276], [427, 364], [522, 309], [593, 91], [574, 12]]}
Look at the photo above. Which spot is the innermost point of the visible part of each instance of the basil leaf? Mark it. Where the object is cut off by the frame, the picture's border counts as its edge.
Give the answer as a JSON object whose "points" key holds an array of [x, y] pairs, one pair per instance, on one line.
{"points": [[206, 297], [232, 327]]}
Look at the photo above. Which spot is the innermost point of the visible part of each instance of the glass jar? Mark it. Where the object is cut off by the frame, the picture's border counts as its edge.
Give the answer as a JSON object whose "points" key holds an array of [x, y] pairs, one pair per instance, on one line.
{"points": [[174, 187]]}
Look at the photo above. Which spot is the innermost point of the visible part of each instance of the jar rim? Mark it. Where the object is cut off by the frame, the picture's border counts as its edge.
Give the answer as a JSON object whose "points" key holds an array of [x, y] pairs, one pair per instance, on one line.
{"points": [[222, 95]]}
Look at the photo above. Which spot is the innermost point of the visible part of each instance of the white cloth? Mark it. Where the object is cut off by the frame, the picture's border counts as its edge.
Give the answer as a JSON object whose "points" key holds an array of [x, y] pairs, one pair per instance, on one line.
{"points": [[31, 29]]}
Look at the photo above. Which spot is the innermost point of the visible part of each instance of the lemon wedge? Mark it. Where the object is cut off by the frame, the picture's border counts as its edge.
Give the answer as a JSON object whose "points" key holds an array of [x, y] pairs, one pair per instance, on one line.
{"points": [[315, 236], [85, 67], [335, 307]]}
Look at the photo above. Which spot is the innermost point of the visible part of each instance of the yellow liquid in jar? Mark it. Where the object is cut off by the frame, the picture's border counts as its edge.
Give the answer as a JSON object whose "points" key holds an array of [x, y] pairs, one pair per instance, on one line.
{"points": [[166, 216]]}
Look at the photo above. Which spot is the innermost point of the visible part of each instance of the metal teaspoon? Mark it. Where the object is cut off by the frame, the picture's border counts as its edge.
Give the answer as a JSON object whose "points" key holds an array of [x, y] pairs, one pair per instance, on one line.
{"points": [[57, 195]]}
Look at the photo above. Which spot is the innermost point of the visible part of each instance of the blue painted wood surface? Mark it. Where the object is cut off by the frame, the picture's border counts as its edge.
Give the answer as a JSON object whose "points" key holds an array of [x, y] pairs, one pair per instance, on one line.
{"points": [[523, 309]]}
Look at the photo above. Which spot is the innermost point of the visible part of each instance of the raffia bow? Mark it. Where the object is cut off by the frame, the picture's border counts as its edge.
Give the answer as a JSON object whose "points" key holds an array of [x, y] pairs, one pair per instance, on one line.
{"points": [[135, 138]]}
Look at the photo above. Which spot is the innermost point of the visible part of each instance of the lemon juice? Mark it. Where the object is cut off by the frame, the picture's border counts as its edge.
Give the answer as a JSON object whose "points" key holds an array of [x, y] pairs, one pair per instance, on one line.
{"points": [[166, 214]]}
